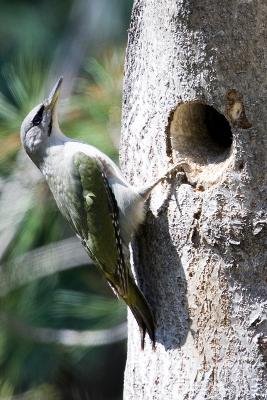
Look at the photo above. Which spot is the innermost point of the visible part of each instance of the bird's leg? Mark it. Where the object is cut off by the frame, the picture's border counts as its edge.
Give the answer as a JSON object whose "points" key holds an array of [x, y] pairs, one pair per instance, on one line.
{"points": [[181, 166], [171, 191]]}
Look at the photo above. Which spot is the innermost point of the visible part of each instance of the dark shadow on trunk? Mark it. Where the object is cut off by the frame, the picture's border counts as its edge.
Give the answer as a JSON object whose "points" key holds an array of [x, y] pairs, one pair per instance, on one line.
{"points": [[167, 293]]}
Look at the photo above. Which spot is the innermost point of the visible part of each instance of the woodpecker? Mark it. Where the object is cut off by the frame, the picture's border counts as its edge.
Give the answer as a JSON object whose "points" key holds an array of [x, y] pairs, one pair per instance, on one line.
{"points": [[103, 209]]}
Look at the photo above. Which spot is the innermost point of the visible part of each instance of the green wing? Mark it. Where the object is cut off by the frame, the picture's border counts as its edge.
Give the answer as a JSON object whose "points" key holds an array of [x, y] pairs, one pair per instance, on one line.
{"points": [[98, 227], [94, 216]]}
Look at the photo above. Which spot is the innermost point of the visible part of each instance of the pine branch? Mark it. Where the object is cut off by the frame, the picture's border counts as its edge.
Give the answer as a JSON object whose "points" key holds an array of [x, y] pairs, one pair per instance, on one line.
{"points": [[41, 262]]}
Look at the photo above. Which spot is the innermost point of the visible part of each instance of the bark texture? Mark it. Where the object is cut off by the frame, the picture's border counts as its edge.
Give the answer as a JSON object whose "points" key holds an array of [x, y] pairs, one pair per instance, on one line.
{"points": [[199, 258]]}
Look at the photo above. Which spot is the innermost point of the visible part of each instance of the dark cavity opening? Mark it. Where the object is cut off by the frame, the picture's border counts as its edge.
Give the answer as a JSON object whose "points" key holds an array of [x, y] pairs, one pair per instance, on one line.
{"points": [[200, 133]]}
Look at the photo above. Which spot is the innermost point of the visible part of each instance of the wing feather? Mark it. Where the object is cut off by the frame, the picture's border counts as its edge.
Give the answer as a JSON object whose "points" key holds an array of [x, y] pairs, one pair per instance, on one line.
{"points": [[100, 232]]}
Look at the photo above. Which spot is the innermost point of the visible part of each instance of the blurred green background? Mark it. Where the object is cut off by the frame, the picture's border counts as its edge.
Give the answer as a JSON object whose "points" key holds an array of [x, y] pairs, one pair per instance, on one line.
{"points": [[63, 333]]}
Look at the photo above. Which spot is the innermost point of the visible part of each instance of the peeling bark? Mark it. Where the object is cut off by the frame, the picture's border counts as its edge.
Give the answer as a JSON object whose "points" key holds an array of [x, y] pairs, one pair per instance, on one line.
{"points": [[195, 88]]}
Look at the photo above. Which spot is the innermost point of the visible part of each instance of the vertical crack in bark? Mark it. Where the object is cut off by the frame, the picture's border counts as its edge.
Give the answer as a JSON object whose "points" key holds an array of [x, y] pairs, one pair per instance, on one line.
{"points": [[195, 235], [168, 137]]}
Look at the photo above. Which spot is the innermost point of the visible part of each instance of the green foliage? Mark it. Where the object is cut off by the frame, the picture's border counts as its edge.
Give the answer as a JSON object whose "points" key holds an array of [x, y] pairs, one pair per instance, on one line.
{"points": [[24, 89], [25, 85], [77, 299], [97, 120]]}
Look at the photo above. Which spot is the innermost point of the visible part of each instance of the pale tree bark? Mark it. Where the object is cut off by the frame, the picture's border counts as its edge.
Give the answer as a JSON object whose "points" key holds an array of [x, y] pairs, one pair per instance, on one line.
{"points": [[195, 88]]}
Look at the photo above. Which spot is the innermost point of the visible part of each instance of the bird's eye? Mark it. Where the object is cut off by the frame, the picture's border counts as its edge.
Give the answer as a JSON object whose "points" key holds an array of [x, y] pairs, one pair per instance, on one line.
{"points": [[38, 117]]}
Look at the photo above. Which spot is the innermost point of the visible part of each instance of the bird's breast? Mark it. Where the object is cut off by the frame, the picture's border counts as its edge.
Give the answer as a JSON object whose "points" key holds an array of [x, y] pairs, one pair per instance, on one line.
{"points": [[61, 182]]}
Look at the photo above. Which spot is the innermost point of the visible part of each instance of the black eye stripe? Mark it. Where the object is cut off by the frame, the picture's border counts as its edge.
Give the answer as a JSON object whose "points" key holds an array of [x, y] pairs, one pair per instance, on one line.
{"points": [[38, 117]]}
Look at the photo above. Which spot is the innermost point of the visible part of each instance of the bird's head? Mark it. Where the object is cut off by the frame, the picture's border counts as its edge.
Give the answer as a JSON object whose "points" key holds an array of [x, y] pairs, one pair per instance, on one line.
{"points": [[40, 124]]}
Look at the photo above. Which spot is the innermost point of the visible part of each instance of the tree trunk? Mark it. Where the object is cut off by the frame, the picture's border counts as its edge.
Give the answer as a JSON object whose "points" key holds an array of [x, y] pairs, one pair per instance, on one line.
{"points": [[195, 88]]}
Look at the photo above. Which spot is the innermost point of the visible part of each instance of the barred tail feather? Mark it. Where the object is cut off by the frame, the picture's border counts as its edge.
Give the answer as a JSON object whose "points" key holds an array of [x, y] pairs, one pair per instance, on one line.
{"points": [[142, 313]]}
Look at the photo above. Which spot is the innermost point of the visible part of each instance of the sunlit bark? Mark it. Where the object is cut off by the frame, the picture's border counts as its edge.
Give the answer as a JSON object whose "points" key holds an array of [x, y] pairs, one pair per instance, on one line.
{"points": [[195, 87]]}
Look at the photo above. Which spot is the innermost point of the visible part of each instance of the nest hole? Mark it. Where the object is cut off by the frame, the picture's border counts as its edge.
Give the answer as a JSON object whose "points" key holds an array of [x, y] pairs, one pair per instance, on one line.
{"points": [[199, 133]]}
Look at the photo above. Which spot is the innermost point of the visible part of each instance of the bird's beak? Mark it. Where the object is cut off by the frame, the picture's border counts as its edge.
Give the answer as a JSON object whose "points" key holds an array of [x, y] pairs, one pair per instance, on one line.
{"points": [[53, 97]]}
